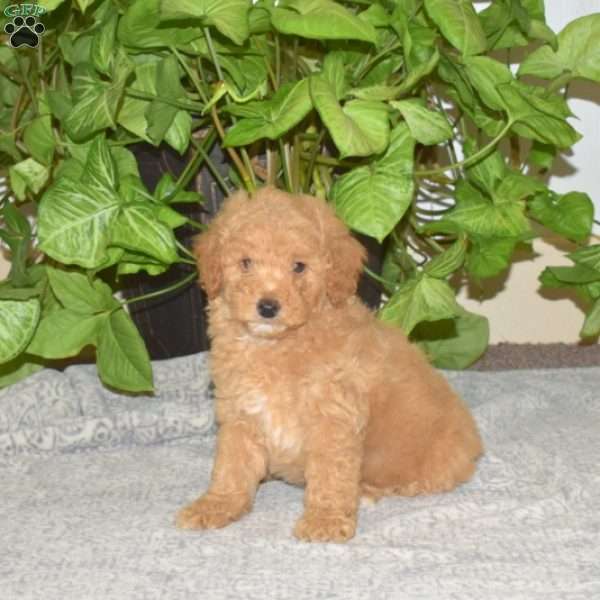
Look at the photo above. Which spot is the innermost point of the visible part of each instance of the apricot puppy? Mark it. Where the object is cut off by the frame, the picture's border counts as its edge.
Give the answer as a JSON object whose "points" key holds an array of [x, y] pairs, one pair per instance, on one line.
{"points": [[310, 387]]}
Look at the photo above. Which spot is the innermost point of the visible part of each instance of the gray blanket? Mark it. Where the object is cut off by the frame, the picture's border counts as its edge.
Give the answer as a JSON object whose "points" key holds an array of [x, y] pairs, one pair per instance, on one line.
{"points": [[90, 481]]}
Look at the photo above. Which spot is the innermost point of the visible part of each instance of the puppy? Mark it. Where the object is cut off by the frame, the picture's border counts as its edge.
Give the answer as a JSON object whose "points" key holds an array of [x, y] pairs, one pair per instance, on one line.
{"points": [[310, 387]]}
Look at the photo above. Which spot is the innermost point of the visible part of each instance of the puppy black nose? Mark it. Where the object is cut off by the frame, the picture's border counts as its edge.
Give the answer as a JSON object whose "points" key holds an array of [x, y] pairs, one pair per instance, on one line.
{"points": [[267, 307]]}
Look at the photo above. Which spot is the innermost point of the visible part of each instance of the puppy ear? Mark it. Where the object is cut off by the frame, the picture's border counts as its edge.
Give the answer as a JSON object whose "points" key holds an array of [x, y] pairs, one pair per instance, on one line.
{"points": [[346, 258], [206, 249], [208, 245]]}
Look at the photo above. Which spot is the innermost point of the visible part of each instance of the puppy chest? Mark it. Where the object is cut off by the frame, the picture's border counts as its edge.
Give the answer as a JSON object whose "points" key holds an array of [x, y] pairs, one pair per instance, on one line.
{"points": [[280, 425]]}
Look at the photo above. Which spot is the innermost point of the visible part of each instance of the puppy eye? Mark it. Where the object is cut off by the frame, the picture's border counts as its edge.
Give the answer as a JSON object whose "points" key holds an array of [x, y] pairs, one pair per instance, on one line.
{"points": [[299, 267], [245, 264]]}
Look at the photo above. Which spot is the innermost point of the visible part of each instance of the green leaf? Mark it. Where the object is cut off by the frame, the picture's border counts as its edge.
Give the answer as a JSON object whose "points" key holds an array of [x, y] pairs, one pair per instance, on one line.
{"points": [[140, 27], [178, 135], [16, 234], [591, 325], [459, 23], [78, 294], [75, 47], [19, 368], [38, 135], [125, 162], [59, 103], [570, 215], [372, 199], [578, 52], [487, 172], [374, 92], [448, 261], [133, 262], [132, 114], [273, 117], [166, 121], [160, 115], [103, 44], [422, 299], [588, 257], [166, 192], [577, 275], [359, 128], [122, 358], [83, 4], [478, 216], [321, 20], [456, 343], [64, 333], [137, 228], [414, 76], [536, 117], [497, 23], [100, 169], [485, 75], [230, 17], [27, 175], [18, 320], [426, 126], [461, 91], [538, 30], [74, 222], [542, 155], [489, 256], [170, 217], [516, 186], [95, 105]]}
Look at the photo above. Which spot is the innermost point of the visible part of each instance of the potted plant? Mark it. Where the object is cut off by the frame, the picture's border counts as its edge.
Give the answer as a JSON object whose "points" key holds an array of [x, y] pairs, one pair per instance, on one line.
{"points": [[404, 114]]}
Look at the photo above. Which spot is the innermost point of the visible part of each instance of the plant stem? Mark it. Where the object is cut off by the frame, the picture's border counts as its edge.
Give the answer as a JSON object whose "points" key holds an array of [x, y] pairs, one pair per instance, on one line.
{"points": [[248, 182], [277, 61], [193, 165], [9, 74], [190, 74], [184, 250], [26, 82], [390, 285], [471, 159], [285, 165], [321, 159], [189, 106], [313, 157], [246, 172], [365, 68], [197, 224], [162, 291], [212, 167]]}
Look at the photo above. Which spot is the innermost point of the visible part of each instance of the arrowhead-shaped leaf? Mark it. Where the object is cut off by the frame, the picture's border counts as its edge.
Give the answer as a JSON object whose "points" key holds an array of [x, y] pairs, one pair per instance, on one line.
{"points": [[359, 128], [18, 320], [459, 24], [122, 358], [372, 199], [321, 20], [422, 299]]}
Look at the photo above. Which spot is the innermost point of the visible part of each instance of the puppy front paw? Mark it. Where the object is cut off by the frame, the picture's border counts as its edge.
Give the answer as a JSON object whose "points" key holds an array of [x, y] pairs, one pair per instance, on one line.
{"points": [[212, 512], [324, 526]]}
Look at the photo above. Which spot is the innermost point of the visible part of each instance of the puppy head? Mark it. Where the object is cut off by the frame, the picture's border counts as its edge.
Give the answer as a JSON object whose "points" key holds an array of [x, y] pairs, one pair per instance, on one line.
{"points": [[275, 259]]}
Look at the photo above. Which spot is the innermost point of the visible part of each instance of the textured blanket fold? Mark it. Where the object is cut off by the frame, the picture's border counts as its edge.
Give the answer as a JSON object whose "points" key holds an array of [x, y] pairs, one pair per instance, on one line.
{"points": [[90, 481]]}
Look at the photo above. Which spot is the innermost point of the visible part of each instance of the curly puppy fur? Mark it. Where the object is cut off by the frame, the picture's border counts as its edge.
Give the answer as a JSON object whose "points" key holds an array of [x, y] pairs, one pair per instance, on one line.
{"points": [[310, 387]]}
